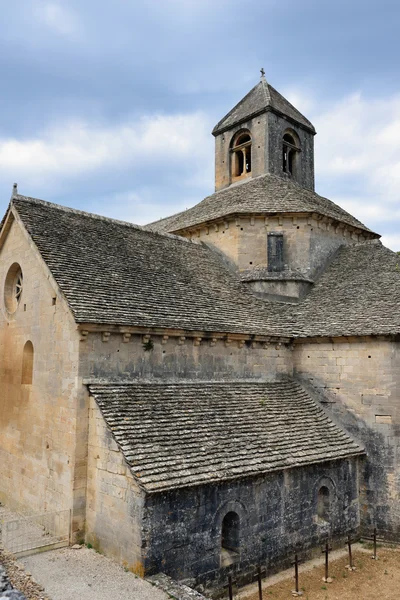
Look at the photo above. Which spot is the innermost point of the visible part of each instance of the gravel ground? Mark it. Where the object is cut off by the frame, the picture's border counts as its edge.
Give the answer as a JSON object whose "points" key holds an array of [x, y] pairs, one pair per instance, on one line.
{"points": [[20, 579], [83, 574], [372, 579]]}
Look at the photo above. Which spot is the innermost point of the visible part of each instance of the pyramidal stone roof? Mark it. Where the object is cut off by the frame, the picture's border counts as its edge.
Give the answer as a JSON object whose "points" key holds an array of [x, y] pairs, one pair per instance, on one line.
{"points": [[266, 195], [179, 434], [262, 98]]}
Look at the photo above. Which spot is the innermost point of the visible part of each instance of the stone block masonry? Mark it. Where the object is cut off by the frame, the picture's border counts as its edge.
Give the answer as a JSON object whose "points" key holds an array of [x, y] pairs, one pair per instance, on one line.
{"points": [[277, 515], [359, 382], [114, 500], [177, 356], [42, 445]]}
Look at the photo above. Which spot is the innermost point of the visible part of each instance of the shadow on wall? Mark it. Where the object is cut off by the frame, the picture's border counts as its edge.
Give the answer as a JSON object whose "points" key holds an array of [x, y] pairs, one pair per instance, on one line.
{"points": [[378, 509], [14, 395]]}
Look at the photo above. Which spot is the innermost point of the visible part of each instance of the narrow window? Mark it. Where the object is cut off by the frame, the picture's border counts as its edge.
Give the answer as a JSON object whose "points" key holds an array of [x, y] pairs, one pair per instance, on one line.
{"points": [[230, 532], [27, 364], [323, 504], [275, 252], [290, 152]]}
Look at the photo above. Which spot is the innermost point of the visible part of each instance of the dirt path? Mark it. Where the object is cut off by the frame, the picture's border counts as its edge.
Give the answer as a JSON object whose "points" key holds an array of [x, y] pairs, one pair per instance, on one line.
{"points": [[372, 580], [84, 574]]}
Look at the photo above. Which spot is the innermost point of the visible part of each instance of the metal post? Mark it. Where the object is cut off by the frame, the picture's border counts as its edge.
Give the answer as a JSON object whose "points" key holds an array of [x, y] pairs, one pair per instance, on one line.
{"points": [[326, 552], [296, 562], [326, 561], [296, 572], [350, 555], [230, 587], [259, 583]]}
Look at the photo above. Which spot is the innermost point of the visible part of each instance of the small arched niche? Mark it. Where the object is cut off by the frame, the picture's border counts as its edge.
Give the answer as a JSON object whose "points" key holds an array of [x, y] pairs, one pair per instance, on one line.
{"points": [[27, 364], [290, 154], [323, 504], [230, 538], [241, 154]]}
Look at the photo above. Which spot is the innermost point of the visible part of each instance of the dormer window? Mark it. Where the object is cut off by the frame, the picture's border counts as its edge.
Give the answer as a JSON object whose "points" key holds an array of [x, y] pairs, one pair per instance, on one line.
{"points": [[290, 155], [241, 155]]}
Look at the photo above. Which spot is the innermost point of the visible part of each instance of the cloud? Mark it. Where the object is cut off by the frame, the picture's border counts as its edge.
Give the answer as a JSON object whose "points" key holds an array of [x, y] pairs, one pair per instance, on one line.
{"points": [[360, 137], [59, 19], [158, 143], [391, 240], [357, 158], [142, 169]]}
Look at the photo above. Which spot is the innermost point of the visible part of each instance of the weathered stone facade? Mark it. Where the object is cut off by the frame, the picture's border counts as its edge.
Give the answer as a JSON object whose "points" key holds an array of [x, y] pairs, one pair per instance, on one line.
{"points": [[114, 500], [359, 380], [213, 399], [171, 356], [266, 116], [43, 450], [278, 517]]}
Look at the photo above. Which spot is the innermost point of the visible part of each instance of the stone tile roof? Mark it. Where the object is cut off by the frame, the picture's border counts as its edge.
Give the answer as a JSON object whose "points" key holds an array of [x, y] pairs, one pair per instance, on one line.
{"points": [[358, 294], [266, 195], [261, 98], [178, 434], [116, 273]]}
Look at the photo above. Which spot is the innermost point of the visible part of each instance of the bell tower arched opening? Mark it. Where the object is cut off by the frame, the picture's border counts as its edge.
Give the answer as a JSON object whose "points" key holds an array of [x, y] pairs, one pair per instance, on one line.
{"points": [[241, 155], [290, 154]]}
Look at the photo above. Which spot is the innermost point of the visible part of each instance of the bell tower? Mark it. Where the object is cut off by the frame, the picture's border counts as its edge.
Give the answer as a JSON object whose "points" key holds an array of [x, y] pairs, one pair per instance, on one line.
{"points": [[263, 134]]}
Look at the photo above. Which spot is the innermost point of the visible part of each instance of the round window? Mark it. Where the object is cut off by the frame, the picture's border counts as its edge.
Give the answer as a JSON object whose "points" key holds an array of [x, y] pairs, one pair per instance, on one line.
{"points": [[13, 288]]}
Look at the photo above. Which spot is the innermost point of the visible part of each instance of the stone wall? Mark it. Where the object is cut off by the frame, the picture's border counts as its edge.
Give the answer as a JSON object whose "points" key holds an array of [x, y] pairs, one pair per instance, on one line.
{"points": [[267, 131], [359, 379], [258, 130], [308, 241], [115, 356], [114, 501], [277, 126], [42, 437], [278, 516]]}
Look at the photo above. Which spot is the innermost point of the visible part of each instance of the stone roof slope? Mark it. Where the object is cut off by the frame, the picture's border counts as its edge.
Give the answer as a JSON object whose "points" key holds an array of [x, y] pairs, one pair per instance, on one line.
{"points": [[116, 273], [358, 294], [266, 194], [179, 434], [261, 98]]}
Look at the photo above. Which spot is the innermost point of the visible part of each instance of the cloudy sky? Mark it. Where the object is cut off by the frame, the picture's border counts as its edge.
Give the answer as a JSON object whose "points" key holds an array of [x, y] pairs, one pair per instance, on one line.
{"points": [[108, 105]]}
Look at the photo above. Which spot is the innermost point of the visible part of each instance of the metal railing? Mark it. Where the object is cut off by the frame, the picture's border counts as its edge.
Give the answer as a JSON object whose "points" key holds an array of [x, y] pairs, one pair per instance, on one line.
{"points": [[36, 533]]}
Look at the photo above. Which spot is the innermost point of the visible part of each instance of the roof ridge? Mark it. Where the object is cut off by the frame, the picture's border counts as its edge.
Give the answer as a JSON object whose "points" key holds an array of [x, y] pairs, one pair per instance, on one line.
{"points": [[291, 105], [228, 114], [265, 86], [76, 211]]}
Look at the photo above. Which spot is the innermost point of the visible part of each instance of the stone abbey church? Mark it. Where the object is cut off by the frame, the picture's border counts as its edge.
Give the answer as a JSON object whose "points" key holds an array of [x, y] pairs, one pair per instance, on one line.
{"points": [[213, 391]]}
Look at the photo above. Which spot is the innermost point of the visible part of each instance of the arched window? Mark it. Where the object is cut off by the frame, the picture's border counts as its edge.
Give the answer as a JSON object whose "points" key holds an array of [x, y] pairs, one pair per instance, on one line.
{"points": [[230, 532], [27, 364], [241, 154], [290, 154], [323, 504]]}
